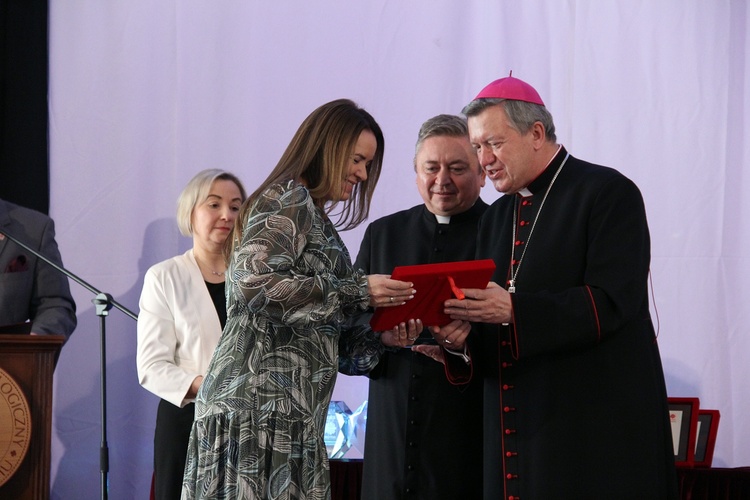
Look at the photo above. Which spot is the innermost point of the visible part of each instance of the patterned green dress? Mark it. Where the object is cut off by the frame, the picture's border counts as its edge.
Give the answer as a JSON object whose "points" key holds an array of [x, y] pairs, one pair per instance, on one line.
{"points": [[261, 410]]}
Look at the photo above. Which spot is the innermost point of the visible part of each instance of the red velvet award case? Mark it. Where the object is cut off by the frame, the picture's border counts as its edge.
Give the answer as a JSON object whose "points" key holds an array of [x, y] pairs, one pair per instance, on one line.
{"points": [[434, 284]]}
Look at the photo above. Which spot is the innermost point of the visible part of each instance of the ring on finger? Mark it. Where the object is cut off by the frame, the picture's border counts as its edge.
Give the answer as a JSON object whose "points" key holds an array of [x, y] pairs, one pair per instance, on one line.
{"points": [[391, 299], [447, 341]]}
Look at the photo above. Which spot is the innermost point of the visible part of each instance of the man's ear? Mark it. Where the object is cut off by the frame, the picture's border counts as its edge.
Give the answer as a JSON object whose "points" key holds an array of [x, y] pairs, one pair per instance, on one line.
{"points": [[539, 135]]}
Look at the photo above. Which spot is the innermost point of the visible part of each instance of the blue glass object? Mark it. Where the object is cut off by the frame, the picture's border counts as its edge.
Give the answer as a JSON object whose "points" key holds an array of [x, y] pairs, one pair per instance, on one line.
{"points": [[337, 430], [359, 424], [344, 429]]}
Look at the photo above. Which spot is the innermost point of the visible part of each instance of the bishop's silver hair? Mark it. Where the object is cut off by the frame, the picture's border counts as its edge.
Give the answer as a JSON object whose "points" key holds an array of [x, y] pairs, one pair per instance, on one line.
{"points": [[522, 115]]}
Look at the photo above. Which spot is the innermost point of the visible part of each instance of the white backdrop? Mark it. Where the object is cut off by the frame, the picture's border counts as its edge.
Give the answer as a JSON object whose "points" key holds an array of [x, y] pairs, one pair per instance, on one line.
{"points": [[144, 94]]}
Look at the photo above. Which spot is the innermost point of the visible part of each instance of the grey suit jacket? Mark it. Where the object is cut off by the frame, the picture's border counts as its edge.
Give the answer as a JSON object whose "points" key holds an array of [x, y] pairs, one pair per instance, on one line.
{"points": [[31, 289]]}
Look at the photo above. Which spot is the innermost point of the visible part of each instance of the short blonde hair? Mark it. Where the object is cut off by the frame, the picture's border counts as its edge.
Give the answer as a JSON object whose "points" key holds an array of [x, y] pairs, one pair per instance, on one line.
{"points": [[197, 191]]}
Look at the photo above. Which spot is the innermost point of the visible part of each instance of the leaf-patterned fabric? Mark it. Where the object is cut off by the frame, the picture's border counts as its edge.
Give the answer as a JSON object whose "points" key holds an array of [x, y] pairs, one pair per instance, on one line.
{"points": [[261, 410]]}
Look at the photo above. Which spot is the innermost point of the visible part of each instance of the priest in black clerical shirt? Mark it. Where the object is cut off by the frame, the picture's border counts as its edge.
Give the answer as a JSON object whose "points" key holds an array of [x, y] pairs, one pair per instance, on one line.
{"points": [[423, 436]]}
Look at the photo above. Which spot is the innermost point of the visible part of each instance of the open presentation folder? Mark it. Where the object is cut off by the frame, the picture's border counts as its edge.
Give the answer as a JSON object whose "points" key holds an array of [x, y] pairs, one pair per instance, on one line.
{"points": [[434, 283]]}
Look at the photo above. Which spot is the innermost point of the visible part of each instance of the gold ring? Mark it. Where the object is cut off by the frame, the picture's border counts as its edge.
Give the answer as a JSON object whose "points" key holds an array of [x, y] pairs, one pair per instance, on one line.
{"points": [[447, 341]]}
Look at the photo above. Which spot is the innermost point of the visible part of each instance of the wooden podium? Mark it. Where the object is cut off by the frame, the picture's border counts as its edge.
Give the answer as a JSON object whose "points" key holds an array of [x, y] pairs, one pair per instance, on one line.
{"points": [[29, 361]]}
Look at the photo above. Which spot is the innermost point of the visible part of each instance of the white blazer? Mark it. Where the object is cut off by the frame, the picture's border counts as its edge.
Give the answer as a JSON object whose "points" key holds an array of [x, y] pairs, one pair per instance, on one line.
{"points": [[178, 328]]}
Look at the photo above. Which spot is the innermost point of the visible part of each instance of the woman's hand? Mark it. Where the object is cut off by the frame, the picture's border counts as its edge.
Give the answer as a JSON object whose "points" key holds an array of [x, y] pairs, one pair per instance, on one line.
{"points": [[403, 335], [193, 391], [385, 292]]}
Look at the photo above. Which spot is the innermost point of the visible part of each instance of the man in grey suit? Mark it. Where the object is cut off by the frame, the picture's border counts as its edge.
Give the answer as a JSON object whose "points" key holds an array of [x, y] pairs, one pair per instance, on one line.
{"points": [[30, 289]]}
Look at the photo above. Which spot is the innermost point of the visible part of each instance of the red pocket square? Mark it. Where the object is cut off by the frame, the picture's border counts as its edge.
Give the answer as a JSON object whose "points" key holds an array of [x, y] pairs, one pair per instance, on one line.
{"points": [[17, 265]]}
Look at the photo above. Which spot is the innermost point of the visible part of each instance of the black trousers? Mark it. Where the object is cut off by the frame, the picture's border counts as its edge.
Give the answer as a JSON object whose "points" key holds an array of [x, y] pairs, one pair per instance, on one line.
{"points": [[171, 437]]}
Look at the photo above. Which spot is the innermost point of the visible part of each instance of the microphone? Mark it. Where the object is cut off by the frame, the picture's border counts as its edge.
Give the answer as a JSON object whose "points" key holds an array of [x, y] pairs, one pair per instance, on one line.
{"points": [[103, 303]]}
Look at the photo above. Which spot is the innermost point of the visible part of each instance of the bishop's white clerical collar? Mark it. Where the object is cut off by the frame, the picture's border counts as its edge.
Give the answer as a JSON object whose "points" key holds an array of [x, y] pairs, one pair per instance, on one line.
{"points": [[525, 192], [443, 219]]}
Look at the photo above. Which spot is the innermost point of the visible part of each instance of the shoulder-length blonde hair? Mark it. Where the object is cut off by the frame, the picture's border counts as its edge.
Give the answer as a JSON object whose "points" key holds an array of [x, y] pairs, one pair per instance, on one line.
{"points": [[319, 154]]}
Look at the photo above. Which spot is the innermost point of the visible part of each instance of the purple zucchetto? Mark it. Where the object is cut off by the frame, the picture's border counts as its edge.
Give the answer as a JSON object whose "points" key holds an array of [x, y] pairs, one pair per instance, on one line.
{"points": [[510, 88]]}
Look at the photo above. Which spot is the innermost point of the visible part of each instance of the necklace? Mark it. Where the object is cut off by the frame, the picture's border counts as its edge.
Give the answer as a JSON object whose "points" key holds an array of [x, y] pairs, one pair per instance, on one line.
{"points": [[203, 264], [514, 274]]}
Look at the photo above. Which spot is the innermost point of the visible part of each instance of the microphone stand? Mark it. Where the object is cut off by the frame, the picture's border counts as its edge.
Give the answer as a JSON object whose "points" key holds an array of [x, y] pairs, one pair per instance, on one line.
{"points": [[103, 303]]}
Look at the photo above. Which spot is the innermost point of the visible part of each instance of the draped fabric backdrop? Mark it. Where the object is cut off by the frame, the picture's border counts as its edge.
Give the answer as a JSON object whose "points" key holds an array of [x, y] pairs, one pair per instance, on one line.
{"points": [[144, 94]]}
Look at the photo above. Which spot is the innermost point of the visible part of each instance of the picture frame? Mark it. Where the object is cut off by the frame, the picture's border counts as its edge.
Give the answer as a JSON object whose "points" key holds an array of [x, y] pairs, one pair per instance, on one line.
{"points": [[705, 440], [683, 418]]}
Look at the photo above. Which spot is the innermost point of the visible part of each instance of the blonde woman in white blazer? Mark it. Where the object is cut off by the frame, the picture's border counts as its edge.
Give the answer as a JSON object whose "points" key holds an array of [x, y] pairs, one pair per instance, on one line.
{"points": [[182, 314]]}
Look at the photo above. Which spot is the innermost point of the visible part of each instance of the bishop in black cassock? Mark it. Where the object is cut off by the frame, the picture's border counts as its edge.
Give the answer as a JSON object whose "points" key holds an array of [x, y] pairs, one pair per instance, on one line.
{"points": [[574, 392]]}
